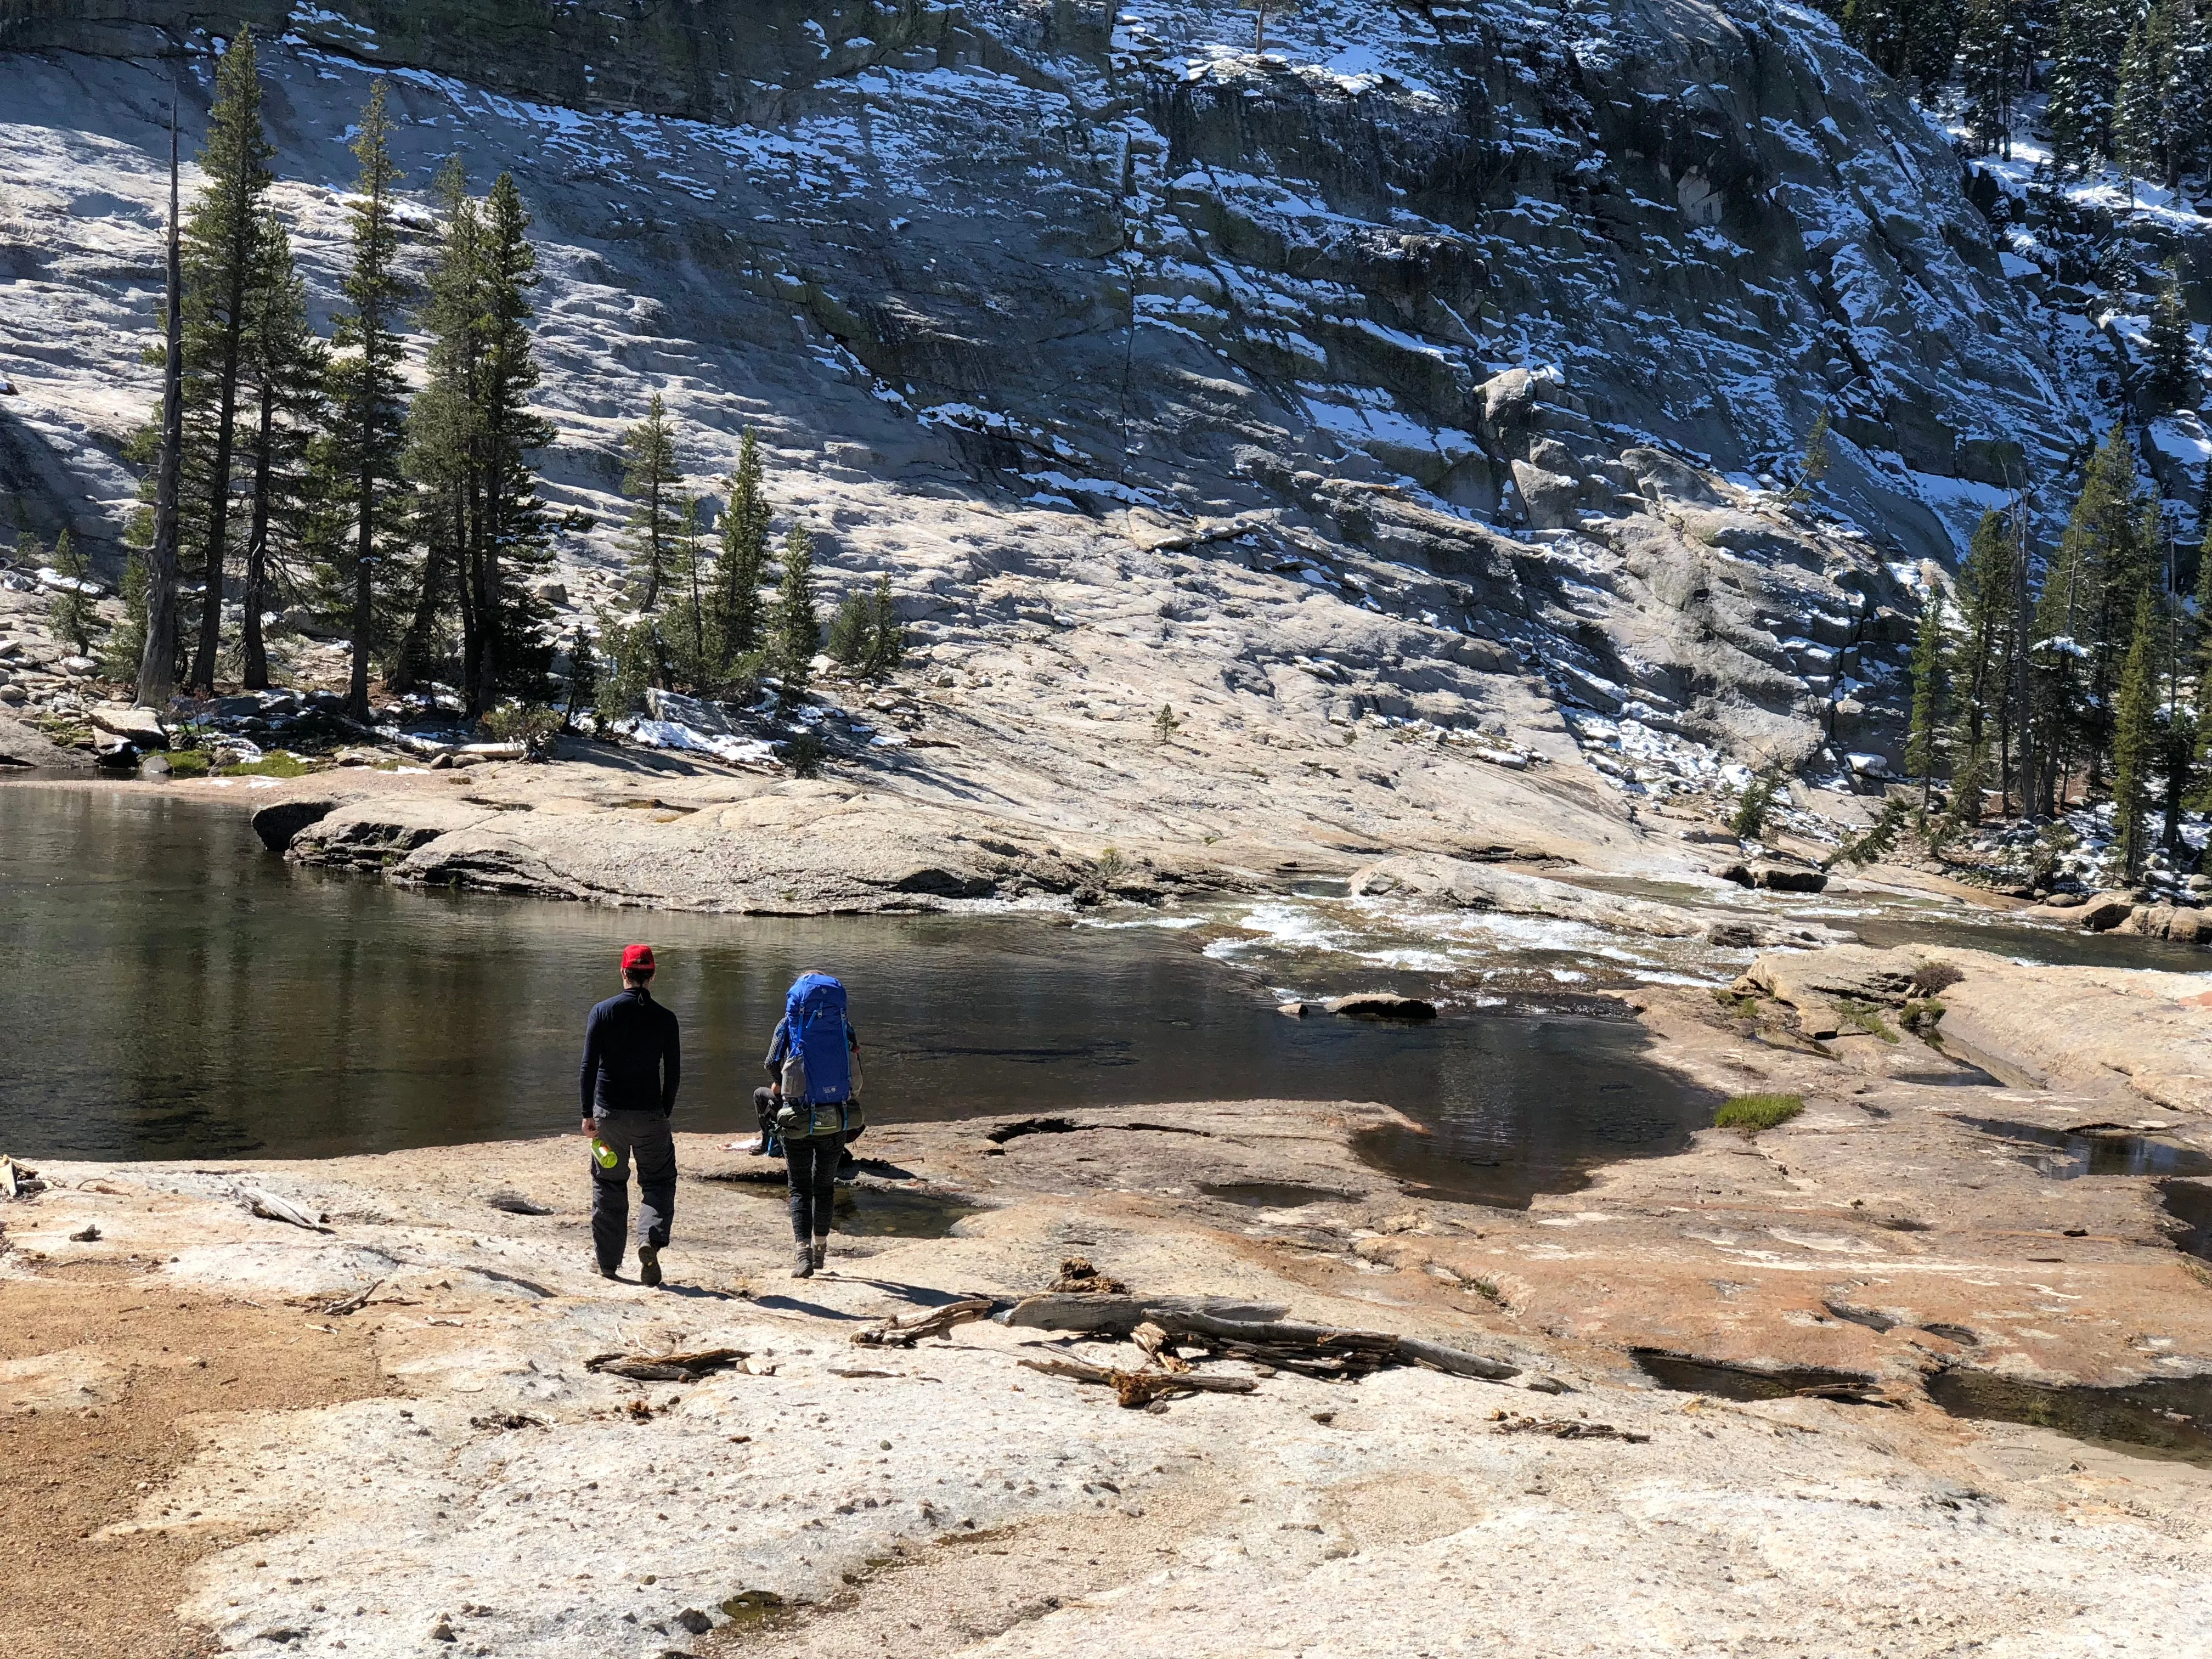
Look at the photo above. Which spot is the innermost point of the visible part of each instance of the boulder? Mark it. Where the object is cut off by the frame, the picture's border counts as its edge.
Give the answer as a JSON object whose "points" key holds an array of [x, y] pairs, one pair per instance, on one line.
{"points": [[694, 712], [2103, 912], [279, 822], [1549, 497], [1789, 877], [1379, 1004], [154, 767], [2179, 923], [140, 726], [24, 744]]}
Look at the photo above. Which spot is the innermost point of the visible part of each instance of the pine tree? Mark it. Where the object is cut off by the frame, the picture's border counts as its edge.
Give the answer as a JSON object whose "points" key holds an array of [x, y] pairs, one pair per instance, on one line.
{"points": [[1980, 661], [852, 632], [72, 613], [1923, 751], [649, 451], [1813, 466], [690, 577], [583, 676], [888, 648], [225, 258], [1988, 72], [2104, 561], [126, 644], [734, 608], [368, 517], [442, 439], [2135, 744], [286, 368], [2169, 353], [2091, 38], [2140, 112], [515, 543], [796, 630]]}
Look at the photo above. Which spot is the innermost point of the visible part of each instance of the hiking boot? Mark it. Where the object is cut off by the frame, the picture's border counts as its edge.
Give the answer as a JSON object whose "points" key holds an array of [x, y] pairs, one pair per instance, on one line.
{"points": [[760, 1147], [804, 1268], [649, 1263], [821, 1253], [605, 1271]]}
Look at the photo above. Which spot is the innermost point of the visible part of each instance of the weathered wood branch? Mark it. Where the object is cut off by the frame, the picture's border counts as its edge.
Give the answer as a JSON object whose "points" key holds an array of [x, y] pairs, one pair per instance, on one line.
{"points": [[895, 1333], [1141, 1388], [666, 1367]]}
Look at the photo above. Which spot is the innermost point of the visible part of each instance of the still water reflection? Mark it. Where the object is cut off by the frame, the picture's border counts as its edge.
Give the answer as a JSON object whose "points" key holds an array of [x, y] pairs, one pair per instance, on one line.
{"points": [[174, 991]]}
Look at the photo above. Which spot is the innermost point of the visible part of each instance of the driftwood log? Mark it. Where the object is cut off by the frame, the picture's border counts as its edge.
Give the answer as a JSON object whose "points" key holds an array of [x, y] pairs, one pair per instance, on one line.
{"points": [[666, 1367], [897, 1333], [270, 1207], [1135, 1389], [1254, 1332]]}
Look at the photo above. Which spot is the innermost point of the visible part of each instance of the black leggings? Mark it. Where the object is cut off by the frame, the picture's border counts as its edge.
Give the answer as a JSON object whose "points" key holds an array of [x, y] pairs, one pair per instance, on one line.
{"points": [[812, 1164]]}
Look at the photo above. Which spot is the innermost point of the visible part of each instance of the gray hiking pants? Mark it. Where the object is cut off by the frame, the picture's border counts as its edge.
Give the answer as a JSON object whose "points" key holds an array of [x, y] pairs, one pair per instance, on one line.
{"points": [[644, 1136]]}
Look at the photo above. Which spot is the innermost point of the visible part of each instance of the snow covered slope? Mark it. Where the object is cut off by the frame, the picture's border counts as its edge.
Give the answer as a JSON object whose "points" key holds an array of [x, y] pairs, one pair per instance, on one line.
{"points": [[1501, 321]]}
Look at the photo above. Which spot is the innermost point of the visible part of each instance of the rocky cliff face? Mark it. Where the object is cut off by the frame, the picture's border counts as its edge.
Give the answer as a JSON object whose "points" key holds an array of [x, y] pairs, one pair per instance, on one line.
{"points": [[1501, 321]]}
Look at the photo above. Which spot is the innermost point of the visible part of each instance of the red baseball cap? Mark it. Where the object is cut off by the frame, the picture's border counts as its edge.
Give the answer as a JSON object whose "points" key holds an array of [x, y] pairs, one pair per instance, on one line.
{"points": [[637, 958]]}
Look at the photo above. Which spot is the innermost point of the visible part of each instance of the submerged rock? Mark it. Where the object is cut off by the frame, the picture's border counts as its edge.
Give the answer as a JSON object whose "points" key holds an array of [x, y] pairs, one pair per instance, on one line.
{"points": [[1379, 1004]]}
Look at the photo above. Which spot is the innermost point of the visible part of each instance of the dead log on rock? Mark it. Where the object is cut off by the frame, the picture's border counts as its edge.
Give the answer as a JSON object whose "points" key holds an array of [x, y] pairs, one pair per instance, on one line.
{"points": [[1079, 1311], [666, 1367], [270, 1207], [1135, 1389], [895, 1333], [1256, 1333]]}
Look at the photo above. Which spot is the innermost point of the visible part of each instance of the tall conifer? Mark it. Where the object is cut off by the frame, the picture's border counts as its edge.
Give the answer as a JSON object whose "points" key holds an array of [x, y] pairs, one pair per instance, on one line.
{"points": [[649, 453], [285, 372], [795, 626], [1923, 751], [733, 607], [2135, 740], [370, 517], [225, 255]]}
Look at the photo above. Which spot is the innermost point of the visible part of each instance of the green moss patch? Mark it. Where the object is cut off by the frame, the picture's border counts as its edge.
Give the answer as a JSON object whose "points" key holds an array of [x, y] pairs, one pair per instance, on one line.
{"points": [[1752, 1113]]}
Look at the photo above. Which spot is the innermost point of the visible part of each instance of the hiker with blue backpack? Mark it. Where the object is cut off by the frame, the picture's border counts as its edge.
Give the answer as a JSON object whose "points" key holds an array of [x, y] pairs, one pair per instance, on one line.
{"points": [[811, 1106]]}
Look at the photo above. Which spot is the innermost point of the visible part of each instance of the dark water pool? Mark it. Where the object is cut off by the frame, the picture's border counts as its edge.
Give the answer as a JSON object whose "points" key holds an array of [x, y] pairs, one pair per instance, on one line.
{"points": [[175, 991]]}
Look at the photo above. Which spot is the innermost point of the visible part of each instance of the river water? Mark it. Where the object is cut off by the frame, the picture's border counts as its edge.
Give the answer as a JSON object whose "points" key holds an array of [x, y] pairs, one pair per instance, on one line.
{"points": [[174, 991]]}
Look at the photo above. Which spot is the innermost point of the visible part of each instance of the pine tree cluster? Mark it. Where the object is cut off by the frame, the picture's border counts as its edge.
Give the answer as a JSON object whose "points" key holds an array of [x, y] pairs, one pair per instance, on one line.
{"points": [[307, 468], [2077, 680]]}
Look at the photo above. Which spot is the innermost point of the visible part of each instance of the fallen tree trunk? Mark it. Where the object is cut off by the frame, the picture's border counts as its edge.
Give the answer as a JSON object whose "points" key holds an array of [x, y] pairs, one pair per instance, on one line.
{"points": [[665, 1367], [1254, 1332], [1087, 1311]]}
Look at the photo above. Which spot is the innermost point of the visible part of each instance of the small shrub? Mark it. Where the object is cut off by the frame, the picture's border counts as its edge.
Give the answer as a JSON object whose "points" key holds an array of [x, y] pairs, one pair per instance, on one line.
{"points": [[187, 762], [1111, 867], [1877, 841], [277, 764], [1752, 1113], [1166, 723], [1868, 1017], [1922, 1017], [1750, 823], [1931, 977], [1742, 1004], [851, 631], [804, 754], [532, 724]]}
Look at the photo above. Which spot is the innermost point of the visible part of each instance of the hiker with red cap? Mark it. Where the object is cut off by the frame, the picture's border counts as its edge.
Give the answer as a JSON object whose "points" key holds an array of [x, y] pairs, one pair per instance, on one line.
{"points": [[631, 1068]]}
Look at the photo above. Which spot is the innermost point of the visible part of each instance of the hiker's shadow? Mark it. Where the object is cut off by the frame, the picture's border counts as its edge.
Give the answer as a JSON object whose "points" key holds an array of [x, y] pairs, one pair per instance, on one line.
{"points": [[793, 1304], [699, 1292], [922, 1295]]}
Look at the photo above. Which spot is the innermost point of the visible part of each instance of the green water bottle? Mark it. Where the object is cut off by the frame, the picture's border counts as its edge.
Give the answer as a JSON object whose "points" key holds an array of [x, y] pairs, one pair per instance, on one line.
{"points": [[604, 1153]]}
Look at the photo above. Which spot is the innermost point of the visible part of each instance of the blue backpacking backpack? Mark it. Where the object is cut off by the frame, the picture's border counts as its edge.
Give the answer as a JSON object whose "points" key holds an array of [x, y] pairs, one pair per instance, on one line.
{"points": [[814, 1021]]}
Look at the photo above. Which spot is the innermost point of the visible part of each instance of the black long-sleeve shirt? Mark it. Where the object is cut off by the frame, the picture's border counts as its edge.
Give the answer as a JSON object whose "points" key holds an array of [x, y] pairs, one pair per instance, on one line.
{"points": [[632, 1062]]}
